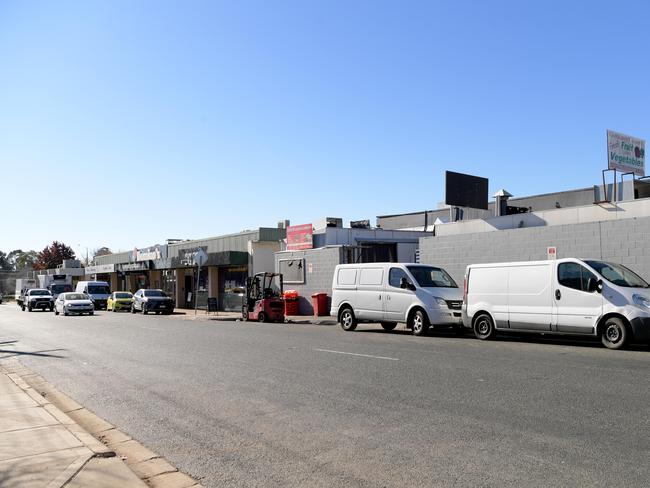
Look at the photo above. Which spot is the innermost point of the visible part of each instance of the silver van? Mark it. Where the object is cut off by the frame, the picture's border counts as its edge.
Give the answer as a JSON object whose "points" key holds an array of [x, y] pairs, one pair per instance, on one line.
{"points": [[415, 294]]}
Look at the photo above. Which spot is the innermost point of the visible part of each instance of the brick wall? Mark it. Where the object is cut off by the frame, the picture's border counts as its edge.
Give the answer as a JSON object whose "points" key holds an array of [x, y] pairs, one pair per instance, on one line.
{"points": [[625, 241], [319, 270]]}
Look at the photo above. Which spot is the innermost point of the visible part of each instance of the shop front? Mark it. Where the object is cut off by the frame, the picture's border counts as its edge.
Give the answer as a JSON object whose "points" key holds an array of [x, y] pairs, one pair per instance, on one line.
{"points": [[133, 276], [223, 276]]}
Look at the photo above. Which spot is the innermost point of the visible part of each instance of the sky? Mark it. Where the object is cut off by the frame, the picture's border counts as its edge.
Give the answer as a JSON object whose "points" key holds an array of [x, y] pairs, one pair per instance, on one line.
{"points": [[126, 123]]}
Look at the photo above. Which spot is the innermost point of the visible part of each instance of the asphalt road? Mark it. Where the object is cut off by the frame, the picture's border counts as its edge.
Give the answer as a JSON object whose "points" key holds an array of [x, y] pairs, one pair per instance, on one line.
{"points": [[270, 405]]}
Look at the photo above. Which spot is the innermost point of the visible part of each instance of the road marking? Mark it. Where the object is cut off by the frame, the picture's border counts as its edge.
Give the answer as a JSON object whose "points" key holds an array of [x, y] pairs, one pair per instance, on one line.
{"points": [[355, 354], [150, 328]]}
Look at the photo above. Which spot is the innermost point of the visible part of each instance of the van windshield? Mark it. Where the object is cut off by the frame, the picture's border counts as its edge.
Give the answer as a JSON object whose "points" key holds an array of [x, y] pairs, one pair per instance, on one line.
{"points": [[618, 274], [98, 290], [430, 277]]}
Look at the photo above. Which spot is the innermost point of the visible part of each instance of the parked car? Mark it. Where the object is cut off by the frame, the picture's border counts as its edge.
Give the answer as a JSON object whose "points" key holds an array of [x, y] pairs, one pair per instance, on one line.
{"points": [[37, 298], [418, 295], [73, 303], [567, 296], [120, 300], [156, 301], [98, 291]]}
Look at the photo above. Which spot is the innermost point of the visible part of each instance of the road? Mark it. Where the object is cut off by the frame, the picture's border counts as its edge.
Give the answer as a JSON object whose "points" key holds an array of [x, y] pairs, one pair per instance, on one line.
{"points": [[273, 405]]}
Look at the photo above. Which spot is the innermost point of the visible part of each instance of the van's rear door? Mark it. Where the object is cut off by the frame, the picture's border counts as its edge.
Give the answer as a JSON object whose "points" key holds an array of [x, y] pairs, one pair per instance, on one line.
{"points": [[530, 296]]}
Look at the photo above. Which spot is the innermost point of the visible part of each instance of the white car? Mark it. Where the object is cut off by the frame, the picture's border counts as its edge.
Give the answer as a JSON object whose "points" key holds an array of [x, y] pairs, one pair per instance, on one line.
{"points": [[37, 298], [72, 302]]}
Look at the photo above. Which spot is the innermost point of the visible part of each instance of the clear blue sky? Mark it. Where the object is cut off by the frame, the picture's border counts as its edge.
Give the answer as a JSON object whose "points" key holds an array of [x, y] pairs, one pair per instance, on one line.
{"points": [[125, 123]]}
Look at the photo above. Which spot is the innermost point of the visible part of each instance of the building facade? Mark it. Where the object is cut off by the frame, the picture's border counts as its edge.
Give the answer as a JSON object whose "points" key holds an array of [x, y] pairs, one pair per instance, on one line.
{"points": [[172, 267]]}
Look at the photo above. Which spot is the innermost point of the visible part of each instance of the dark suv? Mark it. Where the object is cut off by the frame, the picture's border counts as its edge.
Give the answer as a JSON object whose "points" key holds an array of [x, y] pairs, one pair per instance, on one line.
{"points": [[155, 301]]}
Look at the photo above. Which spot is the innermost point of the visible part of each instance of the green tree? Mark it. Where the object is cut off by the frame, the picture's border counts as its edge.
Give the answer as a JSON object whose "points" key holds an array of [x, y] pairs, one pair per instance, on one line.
{"points": [[53, 255], [24, 259], [5, 265]]}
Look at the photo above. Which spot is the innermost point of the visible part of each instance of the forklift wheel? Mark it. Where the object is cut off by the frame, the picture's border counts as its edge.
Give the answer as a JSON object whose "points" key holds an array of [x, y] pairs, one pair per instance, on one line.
{"points": [[261, 317], [244, 313]]}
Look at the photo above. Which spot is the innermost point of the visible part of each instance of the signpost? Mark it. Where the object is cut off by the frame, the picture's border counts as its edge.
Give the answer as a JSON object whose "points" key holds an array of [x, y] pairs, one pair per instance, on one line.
{"points": [[625, 154], [551, 252], [199, 259]]}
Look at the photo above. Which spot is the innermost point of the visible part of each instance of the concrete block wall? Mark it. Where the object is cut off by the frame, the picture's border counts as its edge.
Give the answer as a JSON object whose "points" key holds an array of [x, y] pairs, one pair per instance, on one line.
{"points": [[625, 241], [319, 270]]}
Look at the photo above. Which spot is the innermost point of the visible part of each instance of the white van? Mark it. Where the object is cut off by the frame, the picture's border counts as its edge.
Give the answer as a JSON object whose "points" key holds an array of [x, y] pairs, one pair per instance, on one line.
{"points": [[567, 296], [98, 291], [416, 294]]}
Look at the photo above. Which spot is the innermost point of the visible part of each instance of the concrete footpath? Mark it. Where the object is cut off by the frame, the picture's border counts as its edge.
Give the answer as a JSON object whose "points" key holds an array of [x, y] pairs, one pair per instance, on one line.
{"points": [[184, 313], [40, 446]]}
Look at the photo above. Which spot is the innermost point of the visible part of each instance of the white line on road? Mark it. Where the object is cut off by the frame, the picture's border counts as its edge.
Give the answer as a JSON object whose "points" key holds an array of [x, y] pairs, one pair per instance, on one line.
{"points": [[150, 328], [355, 354]]}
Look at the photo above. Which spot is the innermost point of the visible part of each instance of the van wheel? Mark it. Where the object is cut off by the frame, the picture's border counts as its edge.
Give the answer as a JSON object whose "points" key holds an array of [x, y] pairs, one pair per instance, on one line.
{"points": [[419, 323], [347, 319], [389, 325], [614, 334], [484, 327]]}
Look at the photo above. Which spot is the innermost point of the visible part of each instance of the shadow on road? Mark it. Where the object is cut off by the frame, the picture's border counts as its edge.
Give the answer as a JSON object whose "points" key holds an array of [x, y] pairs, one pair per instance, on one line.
{"points": [[585, 342], [8, 353]]}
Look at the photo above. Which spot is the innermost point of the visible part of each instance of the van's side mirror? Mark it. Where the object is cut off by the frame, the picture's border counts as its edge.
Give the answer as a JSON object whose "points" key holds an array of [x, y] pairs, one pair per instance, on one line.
{"points": [[594, 285]]}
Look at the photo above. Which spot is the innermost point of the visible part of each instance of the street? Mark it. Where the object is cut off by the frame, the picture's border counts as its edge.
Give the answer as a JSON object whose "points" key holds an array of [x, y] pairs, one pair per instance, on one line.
{"points": [[275, 405]]}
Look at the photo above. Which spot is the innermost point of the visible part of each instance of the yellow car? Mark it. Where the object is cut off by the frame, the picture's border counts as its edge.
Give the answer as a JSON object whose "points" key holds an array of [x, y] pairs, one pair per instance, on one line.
{"points": [[119, 300]]}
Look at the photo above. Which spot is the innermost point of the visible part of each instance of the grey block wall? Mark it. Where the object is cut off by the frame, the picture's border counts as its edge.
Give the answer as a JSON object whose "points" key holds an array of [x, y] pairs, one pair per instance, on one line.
{"points": [[625, 241], [321, 262]]}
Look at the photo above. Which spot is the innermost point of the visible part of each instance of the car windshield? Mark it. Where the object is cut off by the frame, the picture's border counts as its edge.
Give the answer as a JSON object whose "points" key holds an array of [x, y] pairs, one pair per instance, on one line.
{"points": [[76, 296], [154, 293], [98, 290], [60, 288], [123, 295], [618, 274], [39, 292], [430, 277]]}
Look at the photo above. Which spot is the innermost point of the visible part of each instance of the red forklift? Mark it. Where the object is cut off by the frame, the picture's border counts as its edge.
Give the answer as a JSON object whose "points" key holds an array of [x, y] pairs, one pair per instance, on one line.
{"points": [[264, 299]]}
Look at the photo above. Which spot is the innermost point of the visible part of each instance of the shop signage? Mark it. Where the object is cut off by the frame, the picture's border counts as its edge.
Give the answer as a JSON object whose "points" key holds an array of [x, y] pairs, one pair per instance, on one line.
{"points": [[625, 153], [141, 266], [150, 255], [100, 268], [300, 237], [193, 257], [551, 252]]}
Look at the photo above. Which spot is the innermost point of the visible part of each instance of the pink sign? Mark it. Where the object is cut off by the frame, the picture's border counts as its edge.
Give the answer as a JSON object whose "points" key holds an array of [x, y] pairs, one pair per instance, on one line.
{"points": [[300, 237]]}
